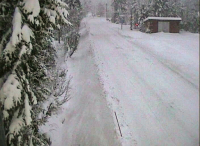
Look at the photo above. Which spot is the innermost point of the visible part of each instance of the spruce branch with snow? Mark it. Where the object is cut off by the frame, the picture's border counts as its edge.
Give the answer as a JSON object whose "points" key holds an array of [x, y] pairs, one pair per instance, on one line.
{"points": [[26, 58]]}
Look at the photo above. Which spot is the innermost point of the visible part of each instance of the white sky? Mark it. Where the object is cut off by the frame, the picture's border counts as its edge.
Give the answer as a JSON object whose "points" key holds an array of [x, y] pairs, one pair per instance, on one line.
{"points": [[98, 1]]}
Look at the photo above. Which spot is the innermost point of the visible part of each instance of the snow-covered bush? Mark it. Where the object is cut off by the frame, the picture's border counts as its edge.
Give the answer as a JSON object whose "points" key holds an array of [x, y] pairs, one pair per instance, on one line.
{"points": [[71, 34], [26, 59]]}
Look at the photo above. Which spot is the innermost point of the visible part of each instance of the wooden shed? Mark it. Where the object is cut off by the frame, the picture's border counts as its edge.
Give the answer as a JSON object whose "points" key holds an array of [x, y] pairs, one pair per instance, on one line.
{"points": [[162, 24]]}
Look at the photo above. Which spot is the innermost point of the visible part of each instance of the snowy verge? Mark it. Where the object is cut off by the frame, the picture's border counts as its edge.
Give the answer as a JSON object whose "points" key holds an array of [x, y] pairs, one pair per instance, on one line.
{"points": [[53, 127]]}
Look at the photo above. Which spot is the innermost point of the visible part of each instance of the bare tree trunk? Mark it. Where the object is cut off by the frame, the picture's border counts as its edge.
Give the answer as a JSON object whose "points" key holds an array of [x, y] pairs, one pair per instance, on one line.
{"points": [[131, 18], [106, 11]]}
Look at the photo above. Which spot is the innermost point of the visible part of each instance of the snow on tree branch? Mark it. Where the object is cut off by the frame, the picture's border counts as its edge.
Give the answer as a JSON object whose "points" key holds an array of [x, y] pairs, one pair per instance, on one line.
{"points": [[25, 49]]}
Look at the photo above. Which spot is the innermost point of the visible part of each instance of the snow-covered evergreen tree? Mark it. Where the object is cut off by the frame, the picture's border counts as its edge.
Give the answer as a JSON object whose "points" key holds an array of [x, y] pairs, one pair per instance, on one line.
{"points": [[190, 16], [175, 8], [87, 6], [26, 52], [161, 8], [144, 12], [120, 8], [135, 8], [101, 9]]}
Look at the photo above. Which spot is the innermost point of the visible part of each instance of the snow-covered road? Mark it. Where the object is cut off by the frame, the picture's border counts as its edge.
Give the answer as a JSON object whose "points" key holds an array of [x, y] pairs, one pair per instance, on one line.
{"points": [[150, 81]]}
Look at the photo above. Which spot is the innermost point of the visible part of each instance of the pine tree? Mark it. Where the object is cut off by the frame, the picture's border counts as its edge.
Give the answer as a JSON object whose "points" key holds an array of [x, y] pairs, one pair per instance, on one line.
{"points": [[120, 8], [190, 16], [175, 7], [26, 52], [161, 8], [145, 10], [87, 6], [101, 9], [135, 7]]}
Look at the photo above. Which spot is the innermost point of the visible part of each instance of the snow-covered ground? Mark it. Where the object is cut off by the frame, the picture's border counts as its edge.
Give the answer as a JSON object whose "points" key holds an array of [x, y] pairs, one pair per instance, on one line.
{"points": [[149, 80], [53, 128]]}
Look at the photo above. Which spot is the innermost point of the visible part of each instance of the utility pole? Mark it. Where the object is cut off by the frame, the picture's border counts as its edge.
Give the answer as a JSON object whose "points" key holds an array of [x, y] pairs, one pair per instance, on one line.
{"points": [[106, 10], [121, 17], [95, 10], [131, 18]]}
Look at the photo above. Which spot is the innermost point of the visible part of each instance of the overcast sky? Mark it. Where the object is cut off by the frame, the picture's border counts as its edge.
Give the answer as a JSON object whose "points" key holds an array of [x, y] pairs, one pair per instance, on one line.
{"points": [[98, 1]]}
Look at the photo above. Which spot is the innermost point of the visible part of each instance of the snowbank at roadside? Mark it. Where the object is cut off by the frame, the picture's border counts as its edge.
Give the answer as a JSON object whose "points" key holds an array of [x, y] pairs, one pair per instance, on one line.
{"points": [[53, 128]]}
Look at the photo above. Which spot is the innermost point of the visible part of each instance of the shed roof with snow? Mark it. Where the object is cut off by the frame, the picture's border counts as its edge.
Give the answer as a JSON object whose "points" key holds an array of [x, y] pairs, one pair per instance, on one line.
{"points": [[162, 24], [163, 18]]}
